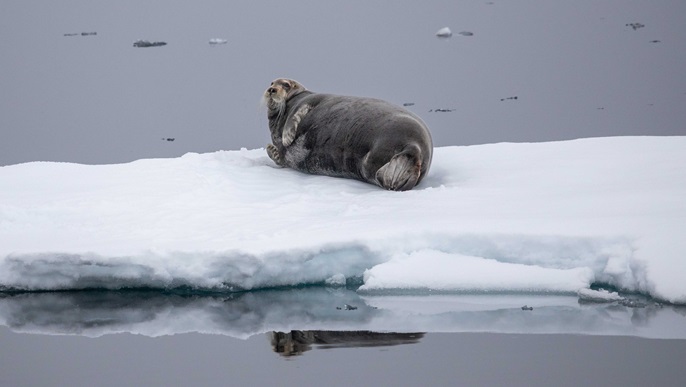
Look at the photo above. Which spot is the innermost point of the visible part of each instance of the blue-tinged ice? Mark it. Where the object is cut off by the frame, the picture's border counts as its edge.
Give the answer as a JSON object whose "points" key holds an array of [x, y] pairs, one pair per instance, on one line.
{"points": [[537, 218]]}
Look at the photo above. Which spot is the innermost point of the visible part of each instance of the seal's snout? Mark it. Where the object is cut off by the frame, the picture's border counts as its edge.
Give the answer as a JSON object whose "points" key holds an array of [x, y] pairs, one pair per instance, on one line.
{"points": [[280, 91]]}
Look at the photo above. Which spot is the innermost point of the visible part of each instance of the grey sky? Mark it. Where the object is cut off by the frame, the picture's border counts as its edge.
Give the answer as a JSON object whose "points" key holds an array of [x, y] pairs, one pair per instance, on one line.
{"points": [[576, 68]]}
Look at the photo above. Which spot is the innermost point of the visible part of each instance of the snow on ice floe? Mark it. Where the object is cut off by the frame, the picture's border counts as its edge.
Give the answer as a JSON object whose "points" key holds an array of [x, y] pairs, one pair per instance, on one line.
{"points": [[467, 273], [510, 218]]}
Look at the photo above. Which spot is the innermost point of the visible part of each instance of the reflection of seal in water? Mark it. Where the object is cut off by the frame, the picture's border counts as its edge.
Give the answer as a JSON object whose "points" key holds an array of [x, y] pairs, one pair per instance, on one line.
{"points": [[297, 342], [360, 138]]}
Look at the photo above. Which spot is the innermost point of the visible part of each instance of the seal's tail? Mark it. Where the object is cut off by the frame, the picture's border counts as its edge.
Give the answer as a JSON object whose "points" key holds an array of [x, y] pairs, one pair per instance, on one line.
{"points": [[402, 172]]}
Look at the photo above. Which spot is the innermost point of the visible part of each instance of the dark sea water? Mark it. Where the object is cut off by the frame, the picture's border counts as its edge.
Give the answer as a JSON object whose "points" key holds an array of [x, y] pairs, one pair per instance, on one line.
{"points": [[530, 70], [435, 359]]}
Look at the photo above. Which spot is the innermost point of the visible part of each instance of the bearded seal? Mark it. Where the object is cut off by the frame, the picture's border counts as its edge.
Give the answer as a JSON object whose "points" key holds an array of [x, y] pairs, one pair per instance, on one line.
{"points": [[352, 137]]}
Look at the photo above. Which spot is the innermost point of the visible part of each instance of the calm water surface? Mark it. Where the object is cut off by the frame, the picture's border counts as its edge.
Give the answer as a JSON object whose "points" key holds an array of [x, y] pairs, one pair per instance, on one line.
{"points": [[438, 359], [325, 336]]}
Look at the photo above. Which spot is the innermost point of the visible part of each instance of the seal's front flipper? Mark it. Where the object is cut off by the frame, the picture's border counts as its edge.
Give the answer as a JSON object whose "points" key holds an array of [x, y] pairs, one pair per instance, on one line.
{"points": [[275, 155], [290, 129]]}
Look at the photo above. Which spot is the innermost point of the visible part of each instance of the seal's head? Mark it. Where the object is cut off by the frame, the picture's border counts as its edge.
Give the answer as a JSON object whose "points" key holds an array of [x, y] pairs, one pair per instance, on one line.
{"points": [[279, 91]]}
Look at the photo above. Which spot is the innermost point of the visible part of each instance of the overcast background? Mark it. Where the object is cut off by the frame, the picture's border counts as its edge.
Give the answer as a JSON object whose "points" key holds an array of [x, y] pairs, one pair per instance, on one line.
{"points": [[576, 69]]}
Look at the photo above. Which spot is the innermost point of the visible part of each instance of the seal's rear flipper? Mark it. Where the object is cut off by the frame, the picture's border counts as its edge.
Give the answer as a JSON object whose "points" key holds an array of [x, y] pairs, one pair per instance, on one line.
{"points": [[402, 172]]}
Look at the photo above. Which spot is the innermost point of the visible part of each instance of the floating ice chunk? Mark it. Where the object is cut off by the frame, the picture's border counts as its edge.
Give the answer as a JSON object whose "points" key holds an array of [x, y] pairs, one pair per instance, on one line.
{"points": [[635, 26], [444, 33], [601, 295], [218, 41], [466, 33], [147, 43], [82, 34], [231, 220]]}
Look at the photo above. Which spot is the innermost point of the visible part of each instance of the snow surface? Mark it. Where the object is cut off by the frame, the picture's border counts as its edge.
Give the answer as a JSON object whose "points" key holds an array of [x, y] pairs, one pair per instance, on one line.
{"points": [[543, 218]]}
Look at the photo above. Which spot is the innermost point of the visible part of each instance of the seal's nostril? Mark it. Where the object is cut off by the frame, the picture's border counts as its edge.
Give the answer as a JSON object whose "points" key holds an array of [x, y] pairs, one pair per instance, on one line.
{"points": [[271, 90]]}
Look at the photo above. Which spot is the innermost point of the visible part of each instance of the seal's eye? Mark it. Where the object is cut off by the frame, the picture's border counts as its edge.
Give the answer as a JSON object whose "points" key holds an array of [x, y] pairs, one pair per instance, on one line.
{"points": [[287, 86]]}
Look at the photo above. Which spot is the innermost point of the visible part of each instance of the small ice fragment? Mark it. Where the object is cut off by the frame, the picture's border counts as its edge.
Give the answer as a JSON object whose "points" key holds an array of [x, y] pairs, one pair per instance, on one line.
{"points": [[147, 43], [218, 41], [444, 33], [466, 33]]}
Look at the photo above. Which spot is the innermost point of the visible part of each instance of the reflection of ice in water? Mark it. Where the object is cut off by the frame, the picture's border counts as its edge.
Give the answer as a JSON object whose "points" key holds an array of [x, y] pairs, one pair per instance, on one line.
{"points": [[600, 295], [241, 315]]}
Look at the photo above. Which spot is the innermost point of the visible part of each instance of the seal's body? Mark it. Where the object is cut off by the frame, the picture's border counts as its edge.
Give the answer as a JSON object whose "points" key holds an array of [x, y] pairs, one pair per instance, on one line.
{"points": [[360, 138]]}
